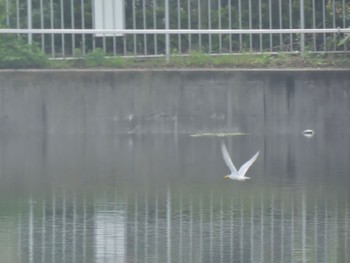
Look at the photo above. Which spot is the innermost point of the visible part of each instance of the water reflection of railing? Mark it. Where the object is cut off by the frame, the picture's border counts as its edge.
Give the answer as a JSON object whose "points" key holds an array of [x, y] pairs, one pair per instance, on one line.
{"points": [[110, 233], [182, 227]]}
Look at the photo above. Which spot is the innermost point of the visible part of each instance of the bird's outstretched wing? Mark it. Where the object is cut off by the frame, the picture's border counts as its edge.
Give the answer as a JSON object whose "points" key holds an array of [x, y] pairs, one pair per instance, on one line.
{"points": [[227, 158], [246, 166]]}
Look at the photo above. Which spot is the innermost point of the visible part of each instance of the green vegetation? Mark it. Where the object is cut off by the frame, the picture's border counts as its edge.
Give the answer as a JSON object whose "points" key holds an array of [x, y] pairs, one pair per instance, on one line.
{"points": [[198, 60], [15, 53]]}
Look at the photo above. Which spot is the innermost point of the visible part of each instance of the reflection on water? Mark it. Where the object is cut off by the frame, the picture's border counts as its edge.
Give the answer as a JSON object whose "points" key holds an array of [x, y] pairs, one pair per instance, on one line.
{"points": [[164, 199]]}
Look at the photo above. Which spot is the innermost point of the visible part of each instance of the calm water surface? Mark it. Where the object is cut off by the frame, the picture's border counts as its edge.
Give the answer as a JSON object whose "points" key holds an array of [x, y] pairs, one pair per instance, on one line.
{"points": [[164, 199]]}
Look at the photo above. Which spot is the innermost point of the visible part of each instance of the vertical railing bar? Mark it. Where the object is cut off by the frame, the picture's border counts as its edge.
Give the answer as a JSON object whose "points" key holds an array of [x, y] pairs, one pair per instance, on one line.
{"points": [[114, 40], [7, 13], [220, 26], [124, 26], [230, 23], [250, 25], [29, 21], [93, 36], [62, 26], [155, 27], [179, 25], [189, 25], [240, 24], [199, 23], [52, 26], [291, 25], [324, 25], [41, 24], [83, 26], [270, 24], [260, 26], [17, 14], [134, 25], [302, 26], [103, 25], [344, 21], [334, 26], [124, 46], [280, 23], [209, 24], [314, 23], [167, 36], [144, 26]]}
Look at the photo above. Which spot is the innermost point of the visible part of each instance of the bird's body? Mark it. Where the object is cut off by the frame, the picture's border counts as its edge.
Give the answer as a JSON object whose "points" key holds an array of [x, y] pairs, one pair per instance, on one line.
{"points": [[308, 133], [240, 174]]}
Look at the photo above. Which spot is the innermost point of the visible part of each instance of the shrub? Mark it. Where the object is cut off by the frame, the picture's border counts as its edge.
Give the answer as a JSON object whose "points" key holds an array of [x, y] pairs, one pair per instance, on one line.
{"points": [[16, 53]]}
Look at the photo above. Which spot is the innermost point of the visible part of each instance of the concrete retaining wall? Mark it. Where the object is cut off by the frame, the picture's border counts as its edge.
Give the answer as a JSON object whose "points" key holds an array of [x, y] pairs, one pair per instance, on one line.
{"points": [[170, 101]]}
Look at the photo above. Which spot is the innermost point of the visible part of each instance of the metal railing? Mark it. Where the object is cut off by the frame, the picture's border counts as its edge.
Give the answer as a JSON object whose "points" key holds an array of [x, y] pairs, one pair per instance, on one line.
{"points": [[65, 28]]}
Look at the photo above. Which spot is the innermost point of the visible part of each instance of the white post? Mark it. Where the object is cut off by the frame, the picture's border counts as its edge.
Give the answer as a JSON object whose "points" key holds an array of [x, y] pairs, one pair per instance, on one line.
{"points": [[29, 20], [302, 26], [167, 38]]}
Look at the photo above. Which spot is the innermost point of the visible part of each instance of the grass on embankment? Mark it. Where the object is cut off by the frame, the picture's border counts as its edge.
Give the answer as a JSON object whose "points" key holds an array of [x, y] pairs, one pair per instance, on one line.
{"points": [[21, 55], [200, 60]]}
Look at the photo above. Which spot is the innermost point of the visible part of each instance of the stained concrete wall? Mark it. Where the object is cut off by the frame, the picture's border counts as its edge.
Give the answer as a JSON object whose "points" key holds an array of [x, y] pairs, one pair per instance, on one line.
{"points": [[170, 101]]}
